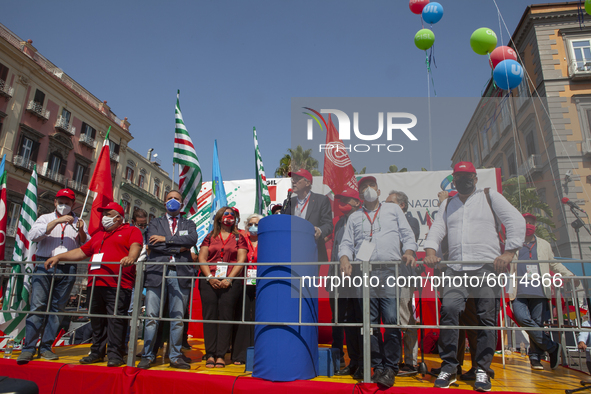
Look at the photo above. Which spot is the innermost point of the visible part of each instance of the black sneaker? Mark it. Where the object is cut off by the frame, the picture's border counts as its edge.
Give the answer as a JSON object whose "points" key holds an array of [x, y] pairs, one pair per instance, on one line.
{"points": [[348, 370], [358, 375], [470, 375], [91, 359], [376, 374], [482, 381], [444, 380], [386, 378], [145, 363], [555, 356], [408, 369], [536, 364]]}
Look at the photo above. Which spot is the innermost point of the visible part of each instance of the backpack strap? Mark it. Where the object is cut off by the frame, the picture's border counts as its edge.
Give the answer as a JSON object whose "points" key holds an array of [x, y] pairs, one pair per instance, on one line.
{"points": [[497, 226]]}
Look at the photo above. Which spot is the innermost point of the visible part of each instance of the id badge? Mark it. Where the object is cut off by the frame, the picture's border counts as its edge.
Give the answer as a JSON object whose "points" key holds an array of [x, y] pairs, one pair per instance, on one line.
{"points": [[221, 271], [182, 233], [96, 258], [365, 251], [531, 269], [59, 250], [251, 274]]}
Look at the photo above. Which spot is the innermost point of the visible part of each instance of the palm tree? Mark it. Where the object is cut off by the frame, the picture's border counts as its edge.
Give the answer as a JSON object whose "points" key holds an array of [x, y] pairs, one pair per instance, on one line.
{"points": [[296, 159], [527, 200], [394, 168]]}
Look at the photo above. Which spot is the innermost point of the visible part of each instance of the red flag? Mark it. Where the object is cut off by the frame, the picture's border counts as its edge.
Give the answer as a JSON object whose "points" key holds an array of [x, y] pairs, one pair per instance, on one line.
{"points": [[338, 170], [3, 214], [102, 185], [429, 220]]}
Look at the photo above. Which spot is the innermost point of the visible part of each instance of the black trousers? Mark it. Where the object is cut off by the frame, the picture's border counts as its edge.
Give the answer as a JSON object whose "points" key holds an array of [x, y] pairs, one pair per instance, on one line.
{"points": [[108, 334], [218, 304], [20, 386], [338, 333], [468, 318], [244, 333]]}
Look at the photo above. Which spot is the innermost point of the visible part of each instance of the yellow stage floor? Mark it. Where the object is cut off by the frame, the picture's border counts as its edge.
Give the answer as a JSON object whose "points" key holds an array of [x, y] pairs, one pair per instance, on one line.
{"points": [[516, 376]]}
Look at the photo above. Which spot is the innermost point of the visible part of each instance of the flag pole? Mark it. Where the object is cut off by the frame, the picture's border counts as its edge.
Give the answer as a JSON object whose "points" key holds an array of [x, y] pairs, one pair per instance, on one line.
{"points": [[85, 201]]}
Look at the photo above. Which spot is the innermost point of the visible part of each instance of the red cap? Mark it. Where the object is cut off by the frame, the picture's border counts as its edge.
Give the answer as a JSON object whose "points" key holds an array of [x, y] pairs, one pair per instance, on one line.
{"points": [[303, 173], [366, 179], [530, 216], [236, 210], [114, 206], [66, 193], [464, 166], [348, 193], [276, 208]]}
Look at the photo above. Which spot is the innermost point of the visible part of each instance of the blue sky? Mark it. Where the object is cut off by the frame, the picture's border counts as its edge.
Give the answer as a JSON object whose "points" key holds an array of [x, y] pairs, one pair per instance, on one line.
{"points": [[239, 63]]}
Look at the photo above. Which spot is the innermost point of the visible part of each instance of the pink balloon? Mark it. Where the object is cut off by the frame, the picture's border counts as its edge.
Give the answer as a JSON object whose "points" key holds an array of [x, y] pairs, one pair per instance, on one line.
{"points": [[501, 53], [416, 6]]}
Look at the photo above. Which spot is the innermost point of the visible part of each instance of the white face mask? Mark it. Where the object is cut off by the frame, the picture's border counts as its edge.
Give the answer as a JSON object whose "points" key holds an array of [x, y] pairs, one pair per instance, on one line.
{"points": [[63, 209], [370, 194], [108, 222]]}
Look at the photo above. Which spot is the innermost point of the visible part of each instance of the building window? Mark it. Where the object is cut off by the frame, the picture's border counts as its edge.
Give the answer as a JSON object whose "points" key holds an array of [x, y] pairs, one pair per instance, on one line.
{"points": [[126, 206], [530, 144], [150, 217], [88, 131], [523, 92], [140, 181], [582, 54], [129, 174], [39, 97], [113, 147], [56, 164], [512, 165], [26, 150], [505, 115], [157, 189], [80, 174], [66, 116], [3, 73], [475, 153], [13, 215]]}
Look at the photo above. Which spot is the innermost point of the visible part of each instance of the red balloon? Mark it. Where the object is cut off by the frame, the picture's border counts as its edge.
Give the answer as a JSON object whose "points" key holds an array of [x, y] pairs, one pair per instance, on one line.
{"points": [[501, 53], [416, 6]]}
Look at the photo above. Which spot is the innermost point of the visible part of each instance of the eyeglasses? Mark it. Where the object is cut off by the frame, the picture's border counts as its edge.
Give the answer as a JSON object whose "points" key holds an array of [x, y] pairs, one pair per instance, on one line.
{"points": [[229, 213], [141, 225], [251, 224]]}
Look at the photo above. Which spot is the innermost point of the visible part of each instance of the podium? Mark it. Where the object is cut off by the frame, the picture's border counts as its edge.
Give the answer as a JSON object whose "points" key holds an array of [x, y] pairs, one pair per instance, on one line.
{"points": [[284, 353]]}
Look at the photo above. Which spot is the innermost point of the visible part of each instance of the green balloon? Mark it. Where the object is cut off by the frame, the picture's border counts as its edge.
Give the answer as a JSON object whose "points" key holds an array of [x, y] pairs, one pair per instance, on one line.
{"points": [[588, 6], [483, 41], [424, 39]]}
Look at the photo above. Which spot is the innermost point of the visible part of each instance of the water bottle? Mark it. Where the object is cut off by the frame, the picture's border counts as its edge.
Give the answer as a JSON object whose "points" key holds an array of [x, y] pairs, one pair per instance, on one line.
{"points": [[8, 349], [522, 349]]}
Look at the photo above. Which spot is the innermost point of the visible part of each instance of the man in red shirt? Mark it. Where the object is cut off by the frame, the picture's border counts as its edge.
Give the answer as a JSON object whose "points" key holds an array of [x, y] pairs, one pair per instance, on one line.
{"points": [[113, 251]]}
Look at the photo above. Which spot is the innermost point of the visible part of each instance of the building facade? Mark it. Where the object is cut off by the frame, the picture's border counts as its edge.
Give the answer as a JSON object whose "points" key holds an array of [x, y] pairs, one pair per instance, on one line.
{"points": [[542, 130]]}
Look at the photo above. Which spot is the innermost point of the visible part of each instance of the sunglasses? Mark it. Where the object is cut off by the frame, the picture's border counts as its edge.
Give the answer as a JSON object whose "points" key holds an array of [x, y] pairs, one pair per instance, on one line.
{"points": [[229, 213]]}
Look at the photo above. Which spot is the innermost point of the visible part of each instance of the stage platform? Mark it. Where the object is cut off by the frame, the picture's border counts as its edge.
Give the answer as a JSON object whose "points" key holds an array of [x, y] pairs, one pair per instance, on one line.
{"points": [[66, 376]]}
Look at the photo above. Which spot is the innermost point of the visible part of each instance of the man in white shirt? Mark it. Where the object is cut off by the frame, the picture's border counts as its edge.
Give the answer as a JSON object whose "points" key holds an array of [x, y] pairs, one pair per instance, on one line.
{"points": [[56, 232], [470, 221]]}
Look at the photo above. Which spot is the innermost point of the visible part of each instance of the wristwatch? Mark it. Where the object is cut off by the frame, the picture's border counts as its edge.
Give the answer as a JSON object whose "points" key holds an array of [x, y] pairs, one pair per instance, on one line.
{"points": [[208, 277]]}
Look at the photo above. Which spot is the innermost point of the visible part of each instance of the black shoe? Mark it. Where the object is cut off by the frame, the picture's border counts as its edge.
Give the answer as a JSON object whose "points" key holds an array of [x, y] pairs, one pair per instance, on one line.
{"points": [[376, 374], [536, 364], [358, 374], [482, 381], [91, 359], [408, 369], [145, 363], [186, 359], [348, 370], [555, 357], [436, 371], [470, 375], [386, 378], [186, 346], [180, 364], [115, 363], [444, 380]]}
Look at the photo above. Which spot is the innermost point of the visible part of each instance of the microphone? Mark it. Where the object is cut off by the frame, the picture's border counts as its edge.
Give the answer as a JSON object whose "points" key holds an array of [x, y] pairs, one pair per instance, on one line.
{"points": [[567, 201], [286, 210]]}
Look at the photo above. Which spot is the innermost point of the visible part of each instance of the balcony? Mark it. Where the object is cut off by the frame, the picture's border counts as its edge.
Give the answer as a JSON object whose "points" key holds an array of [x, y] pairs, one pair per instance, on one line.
{"points": [[65, 126], [115, 157], [37, 110], [78, 186], [87, 140], [579, 70], [5, 90], [52, 175], [20, 161], [531, 165]]}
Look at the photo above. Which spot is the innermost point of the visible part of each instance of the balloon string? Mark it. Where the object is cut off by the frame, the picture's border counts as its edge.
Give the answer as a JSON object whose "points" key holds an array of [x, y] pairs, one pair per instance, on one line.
{"points": [[428, 64], [422, 24], [581, 15], [492, 75]]}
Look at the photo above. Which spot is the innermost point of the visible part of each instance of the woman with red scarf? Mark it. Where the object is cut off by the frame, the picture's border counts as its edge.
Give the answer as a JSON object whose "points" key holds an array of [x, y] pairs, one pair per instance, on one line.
{"points": [[220, 292]]}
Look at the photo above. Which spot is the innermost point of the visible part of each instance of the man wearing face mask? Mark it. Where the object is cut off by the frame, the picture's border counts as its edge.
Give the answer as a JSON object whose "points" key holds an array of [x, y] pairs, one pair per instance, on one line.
{"points": [[55, 233], [112, 249], [349, 310], [470, 221], [374, 233], [170, 239], [530, 302], [313, 207]]}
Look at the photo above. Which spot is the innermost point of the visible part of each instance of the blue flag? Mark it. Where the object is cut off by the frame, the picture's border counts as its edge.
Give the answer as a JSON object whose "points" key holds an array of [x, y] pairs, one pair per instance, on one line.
{"points": [[2, 165], [218, 192]]}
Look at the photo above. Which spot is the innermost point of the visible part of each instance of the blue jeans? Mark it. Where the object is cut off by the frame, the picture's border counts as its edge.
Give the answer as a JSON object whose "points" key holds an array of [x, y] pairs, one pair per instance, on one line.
{"points": [[177, 304], [40, 289], [386, 353], [528, 312]]}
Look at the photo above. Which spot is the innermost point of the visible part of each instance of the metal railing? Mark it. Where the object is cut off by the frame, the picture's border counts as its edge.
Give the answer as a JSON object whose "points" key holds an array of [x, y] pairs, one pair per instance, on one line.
{"points": [[5, 90], [557, 325], [64, 125], [53, 175], [23, 162], [88, 140], [115, 157], [37, 109]]}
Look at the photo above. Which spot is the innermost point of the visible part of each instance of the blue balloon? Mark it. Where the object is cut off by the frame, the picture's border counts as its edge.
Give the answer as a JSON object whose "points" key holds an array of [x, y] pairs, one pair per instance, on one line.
{"points": [[432, 13], [508, 74]]}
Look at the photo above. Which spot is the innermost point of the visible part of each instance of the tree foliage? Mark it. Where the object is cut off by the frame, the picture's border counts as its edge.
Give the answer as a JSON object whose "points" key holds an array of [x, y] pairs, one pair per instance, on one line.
{"points": [[296, 159]]}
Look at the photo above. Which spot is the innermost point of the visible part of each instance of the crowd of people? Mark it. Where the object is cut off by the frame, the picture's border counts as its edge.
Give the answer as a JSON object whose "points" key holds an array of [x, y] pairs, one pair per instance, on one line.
{"points": [[465, 234]]}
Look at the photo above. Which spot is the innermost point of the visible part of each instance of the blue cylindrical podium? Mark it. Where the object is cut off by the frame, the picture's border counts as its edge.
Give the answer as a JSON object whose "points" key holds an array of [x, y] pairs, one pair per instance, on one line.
{"points": [[285, 353]]}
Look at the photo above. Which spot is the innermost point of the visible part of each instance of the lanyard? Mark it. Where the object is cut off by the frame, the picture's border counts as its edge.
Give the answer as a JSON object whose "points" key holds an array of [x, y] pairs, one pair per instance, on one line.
{"points": [[63, 231], [224, 243], [254, 250], [530, 248], [305, 205], [105, 236], [372, 221]]}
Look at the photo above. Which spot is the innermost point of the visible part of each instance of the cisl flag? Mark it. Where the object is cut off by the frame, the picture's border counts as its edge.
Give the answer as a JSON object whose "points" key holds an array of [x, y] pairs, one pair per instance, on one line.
{"points": [[3, 208], [338, 170]]}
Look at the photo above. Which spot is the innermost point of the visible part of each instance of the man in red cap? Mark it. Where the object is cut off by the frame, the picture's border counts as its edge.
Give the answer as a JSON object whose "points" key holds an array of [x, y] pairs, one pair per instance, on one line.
{"points": [[530, 298], [114, 248], [55, 233], [313, 207], [470, 221]]}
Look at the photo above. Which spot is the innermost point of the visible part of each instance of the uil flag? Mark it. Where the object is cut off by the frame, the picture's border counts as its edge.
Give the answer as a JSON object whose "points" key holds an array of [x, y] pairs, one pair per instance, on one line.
{"points": [[101, 184], [338, 170], [218, 192], [184, 154], [263, 198]]}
